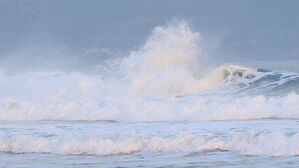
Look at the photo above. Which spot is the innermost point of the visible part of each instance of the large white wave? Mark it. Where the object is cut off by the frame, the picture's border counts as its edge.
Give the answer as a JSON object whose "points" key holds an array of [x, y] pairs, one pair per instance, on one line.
{"points": [[147, 85]]}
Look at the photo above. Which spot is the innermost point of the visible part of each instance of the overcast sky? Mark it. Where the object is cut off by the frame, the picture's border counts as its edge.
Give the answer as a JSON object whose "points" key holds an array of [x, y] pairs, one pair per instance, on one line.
{"points": [[62, 33]]}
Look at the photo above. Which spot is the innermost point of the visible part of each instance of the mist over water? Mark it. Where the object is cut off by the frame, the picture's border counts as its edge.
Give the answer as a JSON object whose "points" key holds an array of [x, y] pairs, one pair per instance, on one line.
{"points": [[58, 35]]}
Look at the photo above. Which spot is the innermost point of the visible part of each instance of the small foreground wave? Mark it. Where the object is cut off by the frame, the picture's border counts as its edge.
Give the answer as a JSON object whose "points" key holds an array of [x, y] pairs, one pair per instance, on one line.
{"points": [[251, 143]]}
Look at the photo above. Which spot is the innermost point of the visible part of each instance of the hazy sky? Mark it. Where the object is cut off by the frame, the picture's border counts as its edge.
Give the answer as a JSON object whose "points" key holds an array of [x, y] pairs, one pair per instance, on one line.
{"points": [[64, 33]]}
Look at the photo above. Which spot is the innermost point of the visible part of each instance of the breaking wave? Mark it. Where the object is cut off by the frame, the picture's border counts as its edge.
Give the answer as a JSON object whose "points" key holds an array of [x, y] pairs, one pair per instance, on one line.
{"points": [[164, 80]]}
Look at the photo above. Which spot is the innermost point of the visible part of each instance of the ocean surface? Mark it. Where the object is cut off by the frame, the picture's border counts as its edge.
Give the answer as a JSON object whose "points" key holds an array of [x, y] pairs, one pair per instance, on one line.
{"points": [[162, 105]]}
